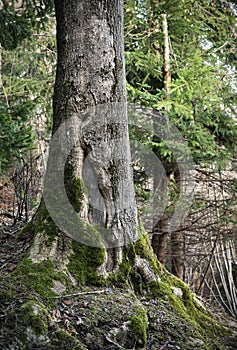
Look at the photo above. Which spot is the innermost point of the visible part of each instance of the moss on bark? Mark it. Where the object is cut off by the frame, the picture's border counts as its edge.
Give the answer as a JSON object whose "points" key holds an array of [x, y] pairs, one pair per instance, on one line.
{"points": [[84, 263], [75, 188]]}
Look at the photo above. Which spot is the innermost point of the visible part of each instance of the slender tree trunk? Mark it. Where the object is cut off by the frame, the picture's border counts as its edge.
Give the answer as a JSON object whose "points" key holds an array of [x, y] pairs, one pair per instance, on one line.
{"points": [[1, 82], [89, 158], [167, 75], [177, 265], [160, 239], [177, 242]]}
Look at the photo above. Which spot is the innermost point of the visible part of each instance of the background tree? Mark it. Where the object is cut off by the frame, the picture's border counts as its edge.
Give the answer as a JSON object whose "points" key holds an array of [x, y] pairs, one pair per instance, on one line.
{"points": [[200, 102]]}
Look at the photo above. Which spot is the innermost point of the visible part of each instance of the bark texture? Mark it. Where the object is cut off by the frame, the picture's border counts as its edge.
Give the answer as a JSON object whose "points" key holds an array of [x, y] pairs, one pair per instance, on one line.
{"points": [[177, 240], [160, 239], [90, 143]]}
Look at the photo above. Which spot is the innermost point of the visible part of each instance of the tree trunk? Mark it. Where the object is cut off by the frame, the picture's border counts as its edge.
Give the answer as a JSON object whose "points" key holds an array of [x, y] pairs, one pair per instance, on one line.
{"points": [[160, 239], [89, 177], [177, 264], [177, 241], [167, 75]]}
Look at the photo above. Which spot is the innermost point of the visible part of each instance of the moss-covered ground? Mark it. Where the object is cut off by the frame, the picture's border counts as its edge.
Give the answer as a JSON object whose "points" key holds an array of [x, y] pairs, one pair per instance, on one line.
{"points": [[121, 312]]}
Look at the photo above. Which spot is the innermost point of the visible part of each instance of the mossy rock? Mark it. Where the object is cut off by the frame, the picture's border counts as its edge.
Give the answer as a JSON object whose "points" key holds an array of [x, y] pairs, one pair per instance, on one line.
{"points": [[39, 278], [34, 316], [61, 340], [139, 325]]}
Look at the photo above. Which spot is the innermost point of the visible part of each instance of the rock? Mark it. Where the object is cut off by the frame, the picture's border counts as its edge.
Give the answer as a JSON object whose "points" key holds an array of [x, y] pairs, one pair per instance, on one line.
{"points": [[34, 317], [178, 292], [58, 287], [36, 339]]}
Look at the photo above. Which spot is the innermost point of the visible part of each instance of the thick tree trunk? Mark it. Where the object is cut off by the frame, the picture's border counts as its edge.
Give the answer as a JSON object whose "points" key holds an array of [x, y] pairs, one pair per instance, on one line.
{"points": [[89, 175]]}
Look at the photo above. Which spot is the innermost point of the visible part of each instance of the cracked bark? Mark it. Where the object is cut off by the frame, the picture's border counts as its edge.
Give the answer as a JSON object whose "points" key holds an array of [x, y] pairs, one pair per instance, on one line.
{"points": [[90, 100]]}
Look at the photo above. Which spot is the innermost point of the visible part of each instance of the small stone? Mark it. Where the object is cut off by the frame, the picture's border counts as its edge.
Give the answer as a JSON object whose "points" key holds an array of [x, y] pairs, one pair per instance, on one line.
{"points": [[178, 292], [58, 287], [35, 339]]}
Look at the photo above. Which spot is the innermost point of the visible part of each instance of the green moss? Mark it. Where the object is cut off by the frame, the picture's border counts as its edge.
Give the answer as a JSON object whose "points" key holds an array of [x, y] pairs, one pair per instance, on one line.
{"points": [[84, 263], [35, 315], [64, 341], [127, 273], [38, 278], [139, 285], [185, 307], [8, 291], [125, 269], [75, 193], [142, 245], [126, 266], [41, 223], [144, 249], [28, 322], [74, 187], [44, 223], [139, 324]]}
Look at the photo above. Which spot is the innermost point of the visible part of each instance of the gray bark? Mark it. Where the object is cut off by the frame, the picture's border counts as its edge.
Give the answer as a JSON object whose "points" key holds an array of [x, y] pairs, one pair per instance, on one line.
{"points": [[90, 128]]}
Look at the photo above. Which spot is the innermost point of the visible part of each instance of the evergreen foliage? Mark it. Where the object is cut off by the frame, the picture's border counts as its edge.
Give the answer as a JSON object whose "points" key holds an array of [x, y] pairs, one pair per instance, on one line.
{"points": [[202, 91], [26, 81], [16, 135], [19, 19]]}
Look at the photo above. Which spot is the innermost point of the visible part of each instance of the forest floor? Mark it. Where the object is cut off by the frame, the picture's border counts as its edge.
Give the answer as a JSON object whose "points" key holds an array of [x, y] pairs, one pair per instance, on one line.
{"points": [[98, 318]]}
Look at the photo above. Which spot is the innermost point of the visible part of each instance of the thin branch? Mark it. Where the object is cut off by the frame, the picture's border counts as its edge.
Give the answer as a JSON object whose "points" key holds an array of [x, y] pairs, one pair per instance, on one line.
{"points": [[107, 291]]}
